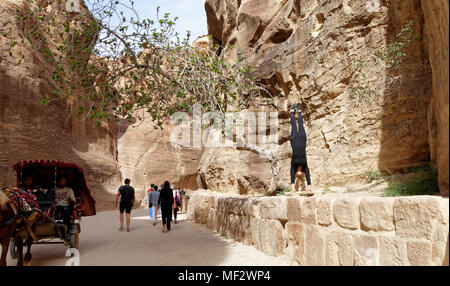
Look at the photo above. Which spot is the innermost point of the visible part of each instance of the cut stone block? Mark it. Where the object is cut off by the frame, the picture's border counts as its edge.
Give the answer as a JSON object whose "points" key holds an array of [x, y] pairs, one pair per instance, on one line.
{"points": [[340, 249], [294, 208], [295, 236], [377, 214], [346, 212], [414, 217], [419, 253], [315, 246], [366, 250], [324, 211], [392, 251], [309, 210]]}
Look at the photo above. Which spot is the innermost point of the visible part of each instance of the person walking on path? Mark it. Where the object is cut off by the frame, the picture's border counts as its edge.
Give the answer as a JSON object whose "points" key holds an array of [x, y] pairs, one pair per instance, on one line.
{"points": [[298, 140], [126, 195], [147, 199], [183, 202], [153, 200], [165, 200], [176, 205]]}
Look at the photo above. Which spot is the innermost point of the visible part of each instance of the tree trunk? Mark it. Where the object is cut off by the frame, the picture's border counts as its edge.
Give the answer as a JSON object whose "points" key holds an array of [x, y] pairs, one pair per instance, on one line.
{"points": [[275, 183]]}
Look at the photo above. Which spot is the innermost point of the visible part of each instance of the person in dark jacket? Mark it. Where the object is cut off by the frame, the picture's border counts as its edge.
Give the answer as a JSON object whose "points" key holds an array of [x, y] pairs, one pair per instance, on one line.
{"points": [[298, 140], [165, 200]]}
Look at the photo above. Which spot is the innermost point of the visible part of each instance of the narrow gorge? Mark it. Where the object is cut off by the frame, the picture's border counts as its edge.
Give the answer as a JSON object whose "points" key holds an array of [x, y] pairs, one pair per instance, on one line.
{"points": [[371, 77], [305, 50]]}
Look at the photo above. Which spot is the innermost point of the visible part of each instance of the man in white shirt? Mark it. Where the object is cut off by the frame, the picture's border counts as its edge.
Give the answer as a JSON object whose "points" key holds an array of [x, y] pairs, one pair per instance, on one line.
{"points": [[64, 196]]}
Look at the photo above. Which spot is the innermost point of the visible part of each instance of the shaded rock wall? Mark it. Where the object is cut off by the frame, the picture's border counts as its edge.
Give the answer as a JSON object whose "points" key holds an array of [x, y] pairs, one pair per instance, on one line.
{"points": [[436, 37], [29, 131], [332, 231]]}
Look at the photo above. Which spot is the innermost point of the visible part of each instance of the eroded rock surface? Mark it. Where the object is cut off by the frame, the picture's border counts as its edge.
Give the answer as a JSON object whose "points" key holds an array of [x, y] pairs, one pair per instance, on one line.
{"points": [[307, 51], [436, 37], [148, 156], [29, 131]]}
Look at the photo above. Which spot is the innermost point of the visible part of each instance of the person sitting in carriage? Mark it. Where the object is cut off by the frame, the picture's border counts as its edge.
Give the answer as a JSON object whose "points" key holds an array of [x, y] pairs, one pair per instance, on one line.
{"points": [[29, 184], [64, 201]]}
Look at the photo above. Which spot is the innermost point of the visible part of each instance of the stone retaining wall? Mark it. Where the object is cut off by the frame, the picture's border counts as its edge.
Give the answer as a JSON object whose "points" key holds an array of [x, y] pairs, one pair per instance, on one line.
{"points": [[325, 230]]}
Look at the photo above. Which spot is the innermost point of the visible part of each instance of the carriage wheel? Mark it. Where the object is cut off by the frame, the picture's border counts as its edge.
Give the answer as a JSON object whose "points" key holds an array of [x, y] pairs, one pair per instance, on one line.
{"points": [[13, 249]]}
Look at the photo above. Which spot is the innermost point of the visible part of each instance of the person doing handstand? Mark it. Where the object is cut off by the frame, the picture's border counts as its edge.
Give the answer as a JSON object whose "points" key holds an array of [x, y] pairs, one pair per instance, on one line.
{"points": [[298, 140]]}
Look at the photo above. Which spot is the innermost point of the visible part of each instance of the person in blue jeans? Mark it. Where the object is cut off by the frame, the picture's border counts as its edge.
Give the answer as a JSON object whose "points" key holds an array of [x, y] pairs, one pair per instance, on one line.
{"points": [[154, 197], [64, 200], [147, 199], [298, 141]]}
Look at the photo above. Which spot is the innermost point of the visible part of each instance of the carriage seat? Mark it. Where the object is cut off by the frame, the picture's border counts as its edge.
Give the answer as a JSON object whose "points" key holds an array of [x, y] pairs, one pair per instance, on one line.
{"points": [[76, 210], [45, 198]]}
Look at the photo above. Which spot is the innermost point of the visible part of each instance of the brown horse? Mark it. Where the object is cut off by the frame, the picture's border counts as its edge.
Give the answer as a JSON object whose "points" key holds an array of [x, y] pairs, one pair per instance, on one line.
{"points": [[9, 222], [7, 225]]}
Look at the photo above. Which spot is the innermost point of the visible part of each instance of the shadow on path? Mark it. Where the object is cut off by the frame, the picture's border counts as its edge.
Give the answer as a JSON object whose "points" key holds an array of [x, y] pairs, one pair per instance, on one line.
{"points": [[187, 244]]}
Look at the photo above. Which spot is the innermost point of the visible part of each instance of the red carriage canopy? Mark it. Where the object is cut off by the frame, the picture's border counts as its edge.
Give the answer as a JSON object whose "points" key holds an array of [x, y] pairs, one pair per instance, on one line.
{"points": [[45, 174]]}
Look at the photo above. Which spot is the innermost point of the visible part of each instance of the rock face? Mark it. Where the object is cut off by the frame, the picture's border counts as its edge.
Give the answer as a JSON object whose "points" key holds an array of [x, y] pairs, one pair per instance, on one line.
{"points": [[307, 51], [146, 155], [436, 37], [29, 131]]}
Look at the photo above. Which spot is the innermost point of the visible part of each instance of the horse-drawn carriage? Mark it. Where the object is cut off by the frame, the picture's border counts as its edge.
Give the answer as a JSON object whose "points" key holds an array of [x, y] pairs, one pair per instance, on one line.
{"points": [[50, 226]]}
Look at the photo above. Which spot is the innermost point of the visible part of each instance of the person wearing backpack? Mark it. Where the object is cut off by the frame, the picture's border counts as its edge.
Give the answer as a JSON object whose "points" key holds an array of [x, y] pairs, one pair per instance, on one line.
{"points": [[176, 204]]}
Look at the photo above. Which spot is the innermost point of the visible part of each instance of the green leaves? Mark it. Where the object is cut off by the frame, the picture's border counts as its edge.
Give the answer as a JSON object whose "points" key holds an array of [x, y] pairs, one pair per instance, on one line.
{"points": [[385, 60], [81, 110], [56, 92], [45, 101], [118, 63], [423, 182], [392, 53]]}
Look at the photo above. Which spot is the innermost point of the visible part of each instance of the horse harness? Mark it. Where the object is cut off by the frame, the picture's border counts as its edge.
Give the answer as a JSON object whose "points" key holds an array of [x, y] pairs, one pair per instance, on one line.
{"points": [[25, 208]]}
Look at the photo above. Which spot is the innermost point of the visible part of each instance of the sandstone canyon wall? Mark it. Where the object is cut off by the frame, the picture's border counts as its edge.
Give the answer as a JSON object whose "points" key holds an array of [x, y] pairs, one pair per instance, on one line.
{"points": [[29, 131], [436, 36], [307, 50], [147, 156]]}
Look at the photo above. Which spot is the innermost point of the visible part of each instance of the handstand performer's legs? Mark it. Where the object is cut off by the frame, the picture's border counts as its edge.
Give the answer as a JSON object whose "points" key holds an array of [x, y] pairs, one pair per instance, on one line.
{"points": [[294, 129], [301, 128], [298, 134]]}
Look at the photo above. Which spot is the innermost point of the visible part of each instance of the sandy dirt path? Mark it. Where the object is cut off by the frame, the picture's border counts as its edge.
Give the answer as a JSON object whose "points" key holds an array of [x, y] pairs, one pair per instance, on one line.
{"points": [[188, 244]]}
